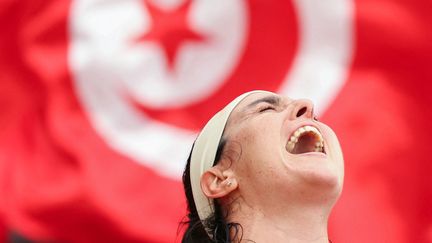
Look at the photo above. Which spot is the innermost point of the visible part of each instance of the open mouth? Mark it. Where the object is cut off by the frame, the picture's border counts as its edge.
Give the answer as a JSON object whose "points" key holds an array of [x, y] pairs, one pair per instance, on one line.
{"points": [[305, 139]]}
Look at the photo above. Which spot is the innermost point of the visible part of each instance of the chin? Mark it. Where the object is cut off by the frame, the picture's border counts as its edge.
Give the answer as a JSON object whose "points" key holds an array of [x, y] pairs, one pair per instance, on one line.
{"points": [[323, 185]]}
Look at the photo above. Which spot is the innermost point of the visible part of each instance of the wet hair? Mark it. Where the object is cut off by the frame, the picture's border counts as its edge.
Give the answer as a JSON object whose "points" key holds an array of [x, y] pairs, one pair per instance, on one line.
{"points": [[217, 224]]}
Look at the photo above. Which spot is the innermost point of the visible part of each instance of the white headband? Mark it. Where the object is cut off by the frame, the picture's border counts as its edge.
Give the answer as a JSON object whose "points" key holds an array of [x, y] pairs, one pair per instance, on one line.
{"points": [[204, 153]]}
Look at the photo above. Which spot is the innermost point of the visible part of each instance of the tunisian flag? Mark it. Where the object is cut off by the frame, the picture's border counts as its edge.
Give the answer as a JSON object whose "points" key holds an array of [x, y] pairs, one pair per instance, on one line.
{"points": [[101, 100]]}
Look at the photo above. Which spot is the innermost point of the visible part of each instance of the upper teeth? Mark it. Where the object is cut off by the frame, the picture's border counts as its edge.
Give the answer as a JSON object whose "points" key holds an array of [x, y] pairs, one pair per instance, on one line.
{"points": [[319, 146]]}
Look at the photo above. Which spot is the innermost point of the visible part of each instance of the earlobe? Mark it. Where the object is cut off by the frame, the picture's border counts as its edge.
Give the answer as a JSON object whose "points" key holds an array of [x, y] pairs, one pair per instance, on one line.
{"points": [[215, 185]]}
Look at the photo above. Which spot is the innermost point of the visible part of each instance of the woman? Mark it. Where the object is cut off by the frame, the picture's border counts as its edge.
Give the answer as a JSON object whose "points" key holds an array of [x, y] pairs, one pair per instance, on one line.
{"points": [[263, 169]]}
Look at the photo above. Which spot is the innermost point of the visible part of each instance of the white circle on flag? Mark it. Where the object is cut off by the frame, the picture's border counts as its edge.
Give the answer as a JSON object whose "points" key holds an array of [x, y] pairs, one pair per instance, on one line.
{"points": [[108, 65]]}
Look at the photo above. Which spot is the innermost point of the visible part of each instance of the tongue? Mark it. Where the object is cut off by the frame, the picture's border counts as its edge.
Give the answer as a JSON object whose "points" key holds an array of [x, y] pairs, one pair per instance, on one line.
{"points": [[305, 144]]}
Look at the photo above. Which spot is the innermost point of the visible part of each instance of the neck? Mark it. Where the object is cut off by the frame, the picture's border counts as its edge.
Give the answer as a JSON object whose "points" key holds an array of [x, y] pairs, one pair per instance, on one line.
{"points": [[294, 224]]}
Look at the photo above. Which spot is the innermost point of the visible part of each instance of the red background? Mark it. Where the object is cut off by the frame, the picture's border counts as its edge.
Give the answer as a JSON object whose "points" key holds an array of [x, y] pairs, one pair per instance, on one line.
{"points": [[59, 180]]}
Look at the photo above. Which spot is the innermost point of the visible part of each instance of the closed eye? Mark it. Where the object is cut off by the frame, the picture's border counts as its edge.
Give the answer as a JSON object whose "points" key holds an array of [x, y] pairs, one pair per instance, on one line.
{"points": [[266, 108]]}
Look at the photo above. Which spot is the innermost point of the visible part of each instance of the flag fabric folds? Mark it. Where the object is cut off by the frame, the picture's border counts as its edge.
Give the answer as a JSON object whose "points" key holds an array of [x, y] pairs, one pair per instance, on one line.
{"points": [[101, 100]]}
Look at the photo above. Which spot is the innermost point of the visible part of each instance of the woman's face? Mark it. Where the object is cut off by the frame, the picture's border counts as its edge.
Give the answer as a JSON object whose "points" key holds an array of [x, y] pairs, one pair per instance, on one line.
{"points": [[283, 153]]}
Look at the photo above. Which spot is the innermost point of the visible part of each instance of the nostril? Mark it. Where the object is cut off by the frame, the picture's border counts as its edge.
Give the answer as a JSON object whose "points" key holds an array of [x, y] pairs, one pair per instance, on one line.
{"points": [[301, 111]]}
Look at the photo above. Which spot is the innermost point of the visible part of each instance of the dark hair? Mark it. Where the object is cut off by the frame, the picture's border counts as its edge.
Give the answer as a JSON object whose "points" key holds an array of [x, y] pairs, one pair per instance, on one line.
{"points": [[220, 229]]}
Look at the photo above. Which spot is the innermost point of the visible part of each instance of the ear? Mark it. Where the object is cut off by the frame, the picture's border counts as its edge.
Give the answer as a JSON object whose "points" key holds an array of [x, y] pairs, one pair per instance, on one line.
{"points": [[216, 183]]}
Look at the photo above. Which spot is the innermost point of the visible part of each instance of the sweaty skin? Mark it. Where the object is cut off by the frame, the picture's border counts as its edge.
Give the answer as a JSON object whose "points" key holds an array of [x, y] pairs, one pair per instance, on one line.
{"points": [[274, 193]]}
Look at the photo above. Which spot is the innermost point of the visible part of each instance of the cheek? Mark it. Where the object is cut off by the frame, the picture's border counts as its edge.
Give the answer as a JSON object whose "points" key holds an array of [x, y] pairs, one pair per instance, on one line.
{"points": [[264, 133], [260, 169], [259, 146], [257, 178]]}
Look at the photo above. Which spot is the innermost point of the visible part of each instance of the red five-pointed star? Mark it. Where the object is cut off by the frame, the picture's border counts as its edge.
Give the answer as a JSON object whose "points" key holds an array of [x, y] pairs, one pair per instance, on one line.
{"points": [[170, 28]]}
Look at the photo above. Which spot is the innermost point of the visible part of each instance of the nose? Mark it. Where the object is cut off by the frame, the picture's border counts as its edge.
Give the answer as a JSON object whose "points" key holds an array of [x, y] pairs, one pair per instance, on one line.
{"points": [[302, 108]]}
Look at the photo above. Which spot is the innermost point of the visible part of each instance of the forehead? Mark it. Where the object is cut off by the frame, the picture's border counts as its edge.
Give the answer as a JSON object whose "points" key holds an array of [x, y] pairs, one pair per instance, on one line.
{"points": [[253, 98]]}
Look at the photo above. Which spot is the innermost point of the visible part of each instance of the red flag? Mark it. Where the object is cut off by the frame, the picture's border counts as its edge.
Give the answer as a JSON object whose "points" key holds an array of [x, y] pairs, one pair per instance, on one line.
{"points": [[382, 117], [59, 179], [101, 101], [3, 232]]}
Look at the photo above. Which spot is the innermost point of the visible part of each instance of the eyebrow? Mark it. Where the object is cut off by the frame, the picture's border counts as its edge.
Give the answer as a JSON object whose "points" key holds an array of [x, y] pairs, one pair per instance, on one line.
{"points": [[271, 99]]}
